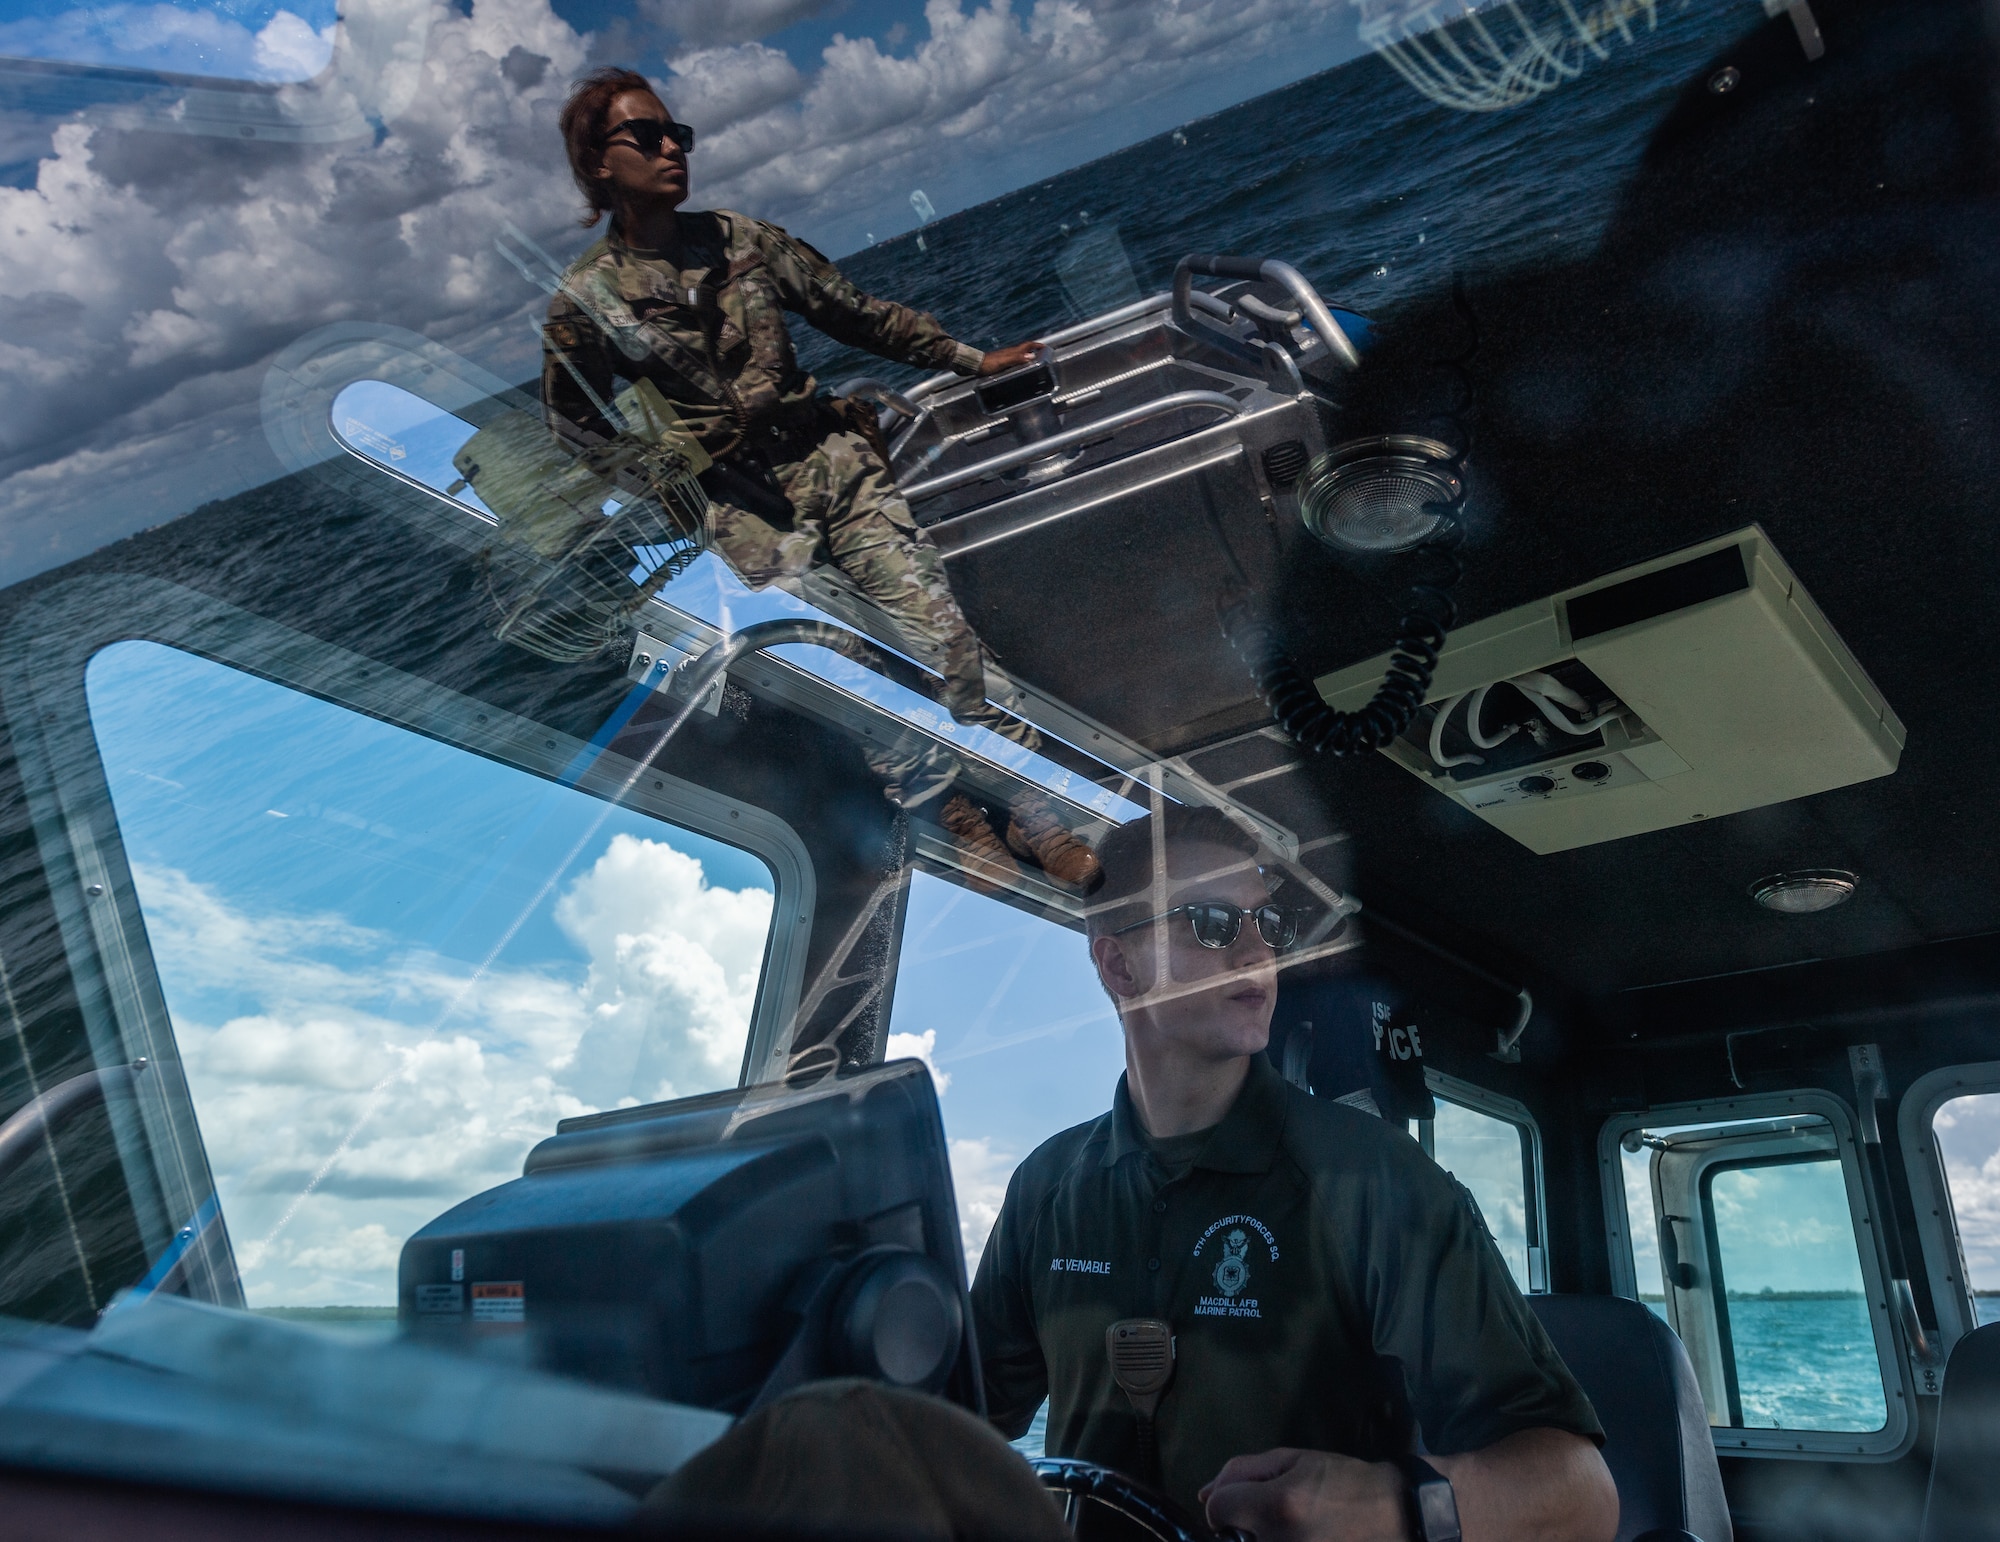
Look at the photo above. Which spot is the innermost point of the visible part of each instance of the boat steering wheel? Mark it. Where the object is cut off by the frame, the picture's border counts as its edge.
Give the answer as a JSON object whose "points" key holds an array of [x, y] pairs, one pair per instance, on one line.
{"points": [[1079, 1485]]}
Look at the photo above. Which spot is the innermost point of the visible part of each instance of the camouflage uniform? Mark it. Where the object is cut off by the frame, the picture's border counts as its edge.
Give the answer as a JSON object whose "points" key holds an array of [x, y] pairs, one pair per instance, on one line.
{"points": [[797, 482]]}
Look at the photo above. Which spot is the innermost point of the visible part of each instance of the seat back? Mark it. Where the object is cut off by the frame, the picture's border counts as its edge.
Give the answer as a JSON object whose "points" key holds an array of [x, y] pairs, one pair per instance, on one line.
{"points": [[1964, 1500], [1656, 1439]]}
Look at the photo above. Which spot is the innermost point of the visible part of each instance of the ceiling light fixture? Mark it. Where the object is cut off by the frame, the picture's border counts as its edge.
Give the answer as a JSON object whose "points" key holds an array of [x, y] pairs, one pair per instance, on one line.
{"points": [[1805, 891], [1384, 494]]}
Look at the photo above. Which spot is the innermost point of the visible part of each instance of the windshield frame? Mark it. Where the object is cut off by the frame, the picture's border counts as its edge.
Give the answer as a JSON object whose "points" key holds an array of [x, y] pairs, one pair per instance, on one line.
{"points": [[46, 652]]}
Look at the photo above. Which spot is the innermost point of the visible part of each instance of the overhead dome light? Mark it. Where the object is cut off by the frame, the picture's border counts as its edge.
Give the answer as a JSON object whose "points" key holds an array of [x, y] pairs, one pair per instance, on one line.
{"points": [[1383, 494], [1803, 892]]}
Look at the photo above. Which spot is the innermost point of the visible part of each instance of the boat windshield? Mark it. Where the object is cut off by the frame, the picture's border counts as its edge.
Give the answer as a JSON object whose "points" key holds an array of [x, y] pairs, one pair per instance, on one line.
{"points": [[585, 583]]}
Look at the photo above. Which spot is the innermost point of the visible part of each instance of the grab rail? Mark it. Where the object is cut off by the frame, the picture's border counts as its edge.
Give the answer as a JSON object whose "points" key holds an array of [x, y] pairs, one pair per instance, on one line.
{"points": [[1131, 311], [1042, 449], [23, 1134], [1271, 272]]}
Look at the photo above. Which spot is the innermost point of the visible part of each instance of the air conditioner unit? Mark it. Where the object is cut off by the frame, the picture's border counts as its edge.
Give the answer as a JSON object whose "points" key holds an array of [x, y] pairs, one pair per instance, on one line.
{"points": [[1685, 688]]}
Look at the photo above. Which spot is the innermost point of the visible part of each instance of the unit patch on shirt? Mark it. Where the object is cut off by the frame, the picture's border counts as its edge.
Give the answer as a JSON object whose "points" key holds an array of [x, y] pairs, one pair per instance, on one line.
{"points": [[1231, 1265]]}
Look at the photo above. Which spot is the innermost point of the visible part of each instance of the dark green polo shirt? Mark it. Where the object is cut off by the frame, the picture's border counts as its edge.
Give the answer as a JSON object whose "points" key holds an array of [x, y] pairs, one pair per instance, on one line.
{"points": [[1328, 1285]]}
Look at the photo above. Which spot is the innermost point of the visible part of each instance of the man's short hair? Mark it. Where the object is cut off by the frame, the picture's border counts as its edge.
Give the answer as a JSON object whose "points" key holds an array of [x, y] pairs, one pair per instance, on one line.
{"points": [[1126, 855], [583, 118]]}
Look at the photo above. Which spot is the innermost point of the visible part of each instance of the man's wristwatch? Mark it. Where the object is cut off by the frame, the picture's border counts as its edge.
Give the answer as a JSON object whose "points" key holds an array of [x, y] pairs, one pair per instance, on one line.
{"points": [[1432, 1507]]}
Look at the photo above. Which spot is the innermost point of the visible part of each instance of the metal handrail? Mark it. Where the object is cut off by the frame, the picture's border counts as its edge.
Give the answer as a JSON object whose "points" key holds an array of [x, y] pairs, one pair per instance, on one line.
{"points": [[1338, 343], [870, 389], [1131, 311], [1042, 449]]}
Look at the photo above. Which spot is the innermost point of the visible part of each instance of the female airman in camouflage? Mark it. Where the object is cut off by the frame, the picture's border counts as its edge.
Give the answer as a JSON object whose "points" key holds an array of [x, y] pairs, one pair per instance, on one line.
{"points": [[695, 303]]}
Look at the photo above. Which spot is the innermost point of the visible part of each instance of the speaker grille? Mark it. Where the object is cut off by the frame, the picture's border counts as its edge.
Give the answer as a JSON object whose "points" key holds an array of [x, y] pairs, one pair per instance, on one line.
{"points": [[1284, 462]]}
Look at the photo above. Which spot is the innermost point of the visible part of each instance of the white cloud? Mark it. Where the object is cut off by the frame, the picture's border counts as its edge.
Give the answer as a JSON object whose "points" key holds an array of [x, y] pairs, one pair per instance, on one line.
{"points": [[984, 83], [290, 49], [919, 1046], [304, 1036], [145, 278], [363, 1251], [721, 86], [1968, 1131], [980, 1175], [673, 974]]}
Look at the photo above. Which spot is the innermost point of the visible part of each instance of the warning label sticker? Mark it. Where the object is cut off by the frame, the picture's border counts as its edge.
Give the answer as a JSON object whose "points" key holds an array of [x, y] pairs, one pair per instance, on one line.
{"points": [[440, 1298], [499, 1301]]}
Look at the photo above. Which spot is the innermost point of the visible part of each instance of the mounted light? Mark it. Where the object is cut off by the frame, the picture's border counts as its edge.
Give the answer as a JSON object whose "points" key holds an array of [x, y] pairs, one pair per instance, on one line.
{"points": [[1383, 494], [1808, 890]]}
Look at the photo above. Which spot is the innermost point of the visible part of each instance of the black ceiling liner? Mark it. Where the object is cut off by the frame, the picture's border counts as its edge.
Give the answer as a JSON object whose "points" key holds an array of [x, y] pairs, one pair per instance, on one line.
{"points": [[1791, 322]]}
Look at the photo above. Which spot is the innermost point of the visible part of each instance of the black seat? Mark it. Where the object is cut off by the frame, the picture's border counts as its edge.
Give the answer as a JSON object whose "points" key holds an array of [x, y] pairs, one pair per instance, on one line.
{"points": [[1656, 1439], [1964, 1500]]}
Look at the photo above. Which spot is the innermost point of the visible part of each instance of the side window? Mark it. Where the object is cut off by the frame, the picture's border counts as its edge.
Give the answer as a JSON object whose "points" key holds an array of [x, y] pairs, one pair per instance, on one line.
{"points": [[1747, 1236], [1967, 1131], [1495, 1158], [1006, 1010], [391, 965]]}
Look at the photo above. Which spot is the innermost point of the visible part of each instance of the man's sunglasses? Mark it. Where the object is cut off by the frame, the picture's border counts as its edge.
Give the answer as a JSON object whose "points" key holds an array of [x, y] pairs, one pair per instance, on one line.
{"points": [[1217, 924], [649, 134]]}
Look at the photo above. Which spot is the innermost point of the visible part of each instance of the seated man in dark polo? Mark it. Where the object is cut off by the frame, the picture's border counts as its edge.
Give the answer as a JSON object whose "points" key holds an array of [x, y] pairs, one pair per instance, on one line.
{"points": [[1332, 1298]]}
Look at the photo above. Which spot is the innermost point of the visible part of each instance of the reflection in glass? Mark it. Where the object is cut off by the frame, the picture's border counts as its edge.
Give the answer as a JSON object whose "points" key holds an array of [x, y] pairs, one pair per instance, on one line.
{"points": [[413, 439], [402, 433], [392, 965]]}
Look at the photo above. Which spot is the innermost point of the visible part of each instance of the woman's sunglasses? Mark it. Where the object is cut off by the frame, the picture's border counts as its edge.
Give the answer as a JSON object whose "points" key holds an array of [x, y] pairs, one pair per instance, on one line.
{"points": [[1217, 924], [649, 134]]}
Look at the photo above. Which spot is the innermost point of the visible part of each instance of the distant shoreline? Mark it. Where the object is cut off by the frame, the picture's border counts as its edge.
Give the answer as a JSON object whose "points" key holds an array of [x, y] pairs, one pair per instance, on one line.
{"points": [[1791, 1295]]}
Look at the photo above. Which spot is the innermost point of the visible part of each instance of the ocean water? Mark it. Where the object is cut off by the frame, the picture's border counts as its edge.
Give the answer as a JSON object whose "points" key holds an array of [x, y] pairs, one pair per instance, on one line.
{"points": [[1810, 1364], [1806, 1365], [1369, 189]]}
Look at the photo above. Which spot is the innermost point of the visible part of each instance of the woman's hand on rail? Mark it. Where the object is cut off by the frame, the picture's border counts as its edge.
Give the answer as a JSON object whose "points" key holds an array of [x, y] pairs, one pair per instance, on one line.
{"points": [[998, 360]]}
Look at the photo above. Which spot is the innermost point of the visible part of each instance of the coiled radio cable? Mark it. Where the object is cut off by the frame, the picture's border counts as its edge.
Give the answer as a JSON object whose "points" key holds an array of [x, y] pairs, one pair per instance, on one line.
{"points": [[1427, 613]]}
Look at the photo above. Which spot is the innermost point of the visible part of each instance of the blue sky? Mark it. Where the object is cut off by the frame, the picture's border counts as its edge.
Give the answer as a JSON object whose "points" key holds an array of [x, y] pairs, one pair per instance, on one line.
{"points": [[1780, 1227], [393, 965], [1021, 1037]]}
